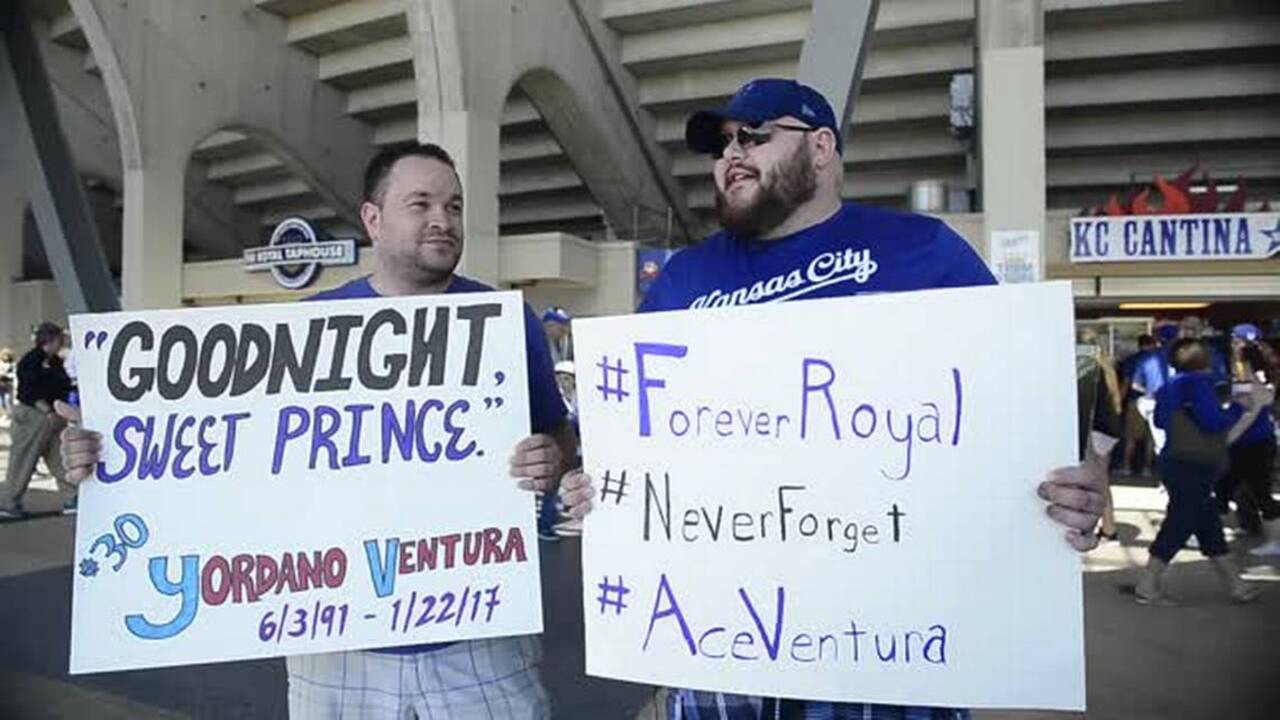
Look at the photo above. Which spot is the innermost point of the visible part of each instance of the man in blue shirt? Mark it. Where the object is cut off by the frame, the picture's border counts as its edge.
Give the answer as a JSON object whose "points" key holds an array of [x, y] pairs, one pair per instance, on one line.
{"points": [[412, 213], [1149, 375], [1136, 425], [787, 236]]}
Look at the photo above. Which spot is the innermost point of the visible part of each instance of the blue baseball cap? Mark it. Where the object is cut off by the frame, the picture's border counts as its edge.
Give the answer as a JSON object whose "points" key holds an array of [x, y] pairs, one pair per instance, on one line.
{"points": [[760, 101], [556, 314], [1246, 331]]}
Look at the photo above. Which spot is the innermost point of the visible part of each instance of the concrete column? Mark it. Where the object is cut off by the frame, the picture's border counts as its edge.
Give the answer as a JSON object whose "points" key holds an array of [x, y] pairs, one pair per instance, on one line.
{"points": [[16, 170], [568, 67], [151, 274], [1011, 118], [12, 205], [835, 50]]}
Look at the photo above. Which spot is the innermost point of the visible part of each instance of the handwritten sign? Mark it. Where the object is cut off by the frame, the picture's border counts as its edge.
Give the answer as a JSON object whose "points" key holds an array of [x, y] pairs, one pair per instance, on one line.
{"points": [[835, 499], [305, 478]]}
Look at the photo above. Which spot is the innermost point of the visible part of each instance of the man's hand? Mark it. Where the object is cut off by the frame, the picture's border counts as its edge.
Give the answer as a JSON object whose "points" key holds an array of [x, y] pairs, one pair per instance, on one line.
{"points": [[81, 448], [576, 492], [1077, 497], [537, 462]]}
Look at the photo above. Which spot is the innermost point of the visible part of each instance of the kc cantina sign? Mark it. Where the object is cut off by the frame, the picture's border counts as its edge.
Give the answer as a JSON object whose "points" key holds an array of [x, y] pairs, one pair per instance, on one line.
{"points": [[1226, 236]]}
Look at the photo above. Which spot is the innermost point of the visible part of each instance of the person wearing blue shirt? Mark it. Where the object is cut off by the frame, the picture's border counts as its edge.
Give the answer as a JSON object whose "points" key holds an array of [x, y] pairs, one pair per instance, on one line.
{"points": [[1136, 427], [1190, 482], [1150, 374], [1253, 455], [788, 236], [412, 213]]}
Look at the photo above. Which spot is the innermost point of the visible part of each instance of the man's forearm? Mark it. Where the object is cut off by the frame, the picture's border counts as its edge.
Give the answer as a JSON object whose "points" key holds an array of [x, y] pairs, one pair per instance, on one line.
{"points": [[1243, 424]]}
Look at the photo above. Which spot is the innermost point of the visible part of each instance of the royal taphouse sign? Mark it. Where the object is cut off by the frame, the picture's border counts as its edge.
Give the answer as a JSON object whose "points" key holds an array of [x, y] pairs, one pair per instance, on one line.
{"points": [[1143, 238], [295, 254]]}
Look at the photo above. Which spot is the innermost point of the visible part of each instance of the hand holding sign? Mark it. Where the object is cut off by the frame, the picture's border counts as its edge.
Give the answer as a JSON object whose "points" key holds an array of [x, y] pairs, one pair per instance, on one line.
{"points": [[222, 523], [802, 524], [577, 493], [81, 448]]}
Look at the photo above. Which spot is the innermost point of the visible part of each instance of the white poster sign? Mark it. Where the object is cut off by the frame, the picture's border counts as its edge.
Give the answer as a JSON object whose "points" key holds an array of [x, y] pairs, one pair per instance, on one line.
{"points": [[1015, 256], [290, 479], [835, 499]]}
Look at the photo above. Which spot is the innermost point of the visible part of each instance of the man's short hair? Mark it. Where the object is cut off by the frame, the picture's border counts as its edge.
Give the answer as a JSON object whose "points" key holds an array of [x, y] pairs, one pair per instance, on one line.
{"points": [[376, 172], [1190, 355], [1146, 341], [47, 332]]}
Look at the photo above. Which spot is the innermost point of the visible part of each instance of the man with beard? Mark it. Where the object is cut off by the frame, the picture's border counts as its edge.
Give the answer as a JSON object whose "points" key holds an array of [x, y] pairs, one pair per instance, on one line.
{"points": [[787, 235], [412, 213]]}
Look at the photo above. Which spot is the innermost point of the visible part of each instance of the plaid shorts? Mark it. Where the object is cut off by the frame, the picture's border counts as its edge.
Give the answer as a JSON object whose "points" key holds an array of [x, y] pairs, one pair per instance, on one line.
{"points": [[493, 679]]}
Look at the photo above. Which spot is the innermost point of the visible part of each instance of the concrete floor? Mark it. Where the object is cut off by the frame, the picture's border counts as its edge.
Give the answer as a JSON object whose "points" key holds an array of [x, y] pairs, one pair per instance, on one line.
{"points": [[1206, 659]]}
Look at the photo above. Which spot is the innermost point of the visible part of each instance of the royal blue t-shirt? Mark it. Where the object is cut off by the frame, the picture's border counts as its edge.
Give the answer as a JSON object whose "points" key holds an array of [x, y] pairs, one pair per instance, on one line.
{"points": [[546, 408], [1195, 393], [858, 250], [1152, 372]]}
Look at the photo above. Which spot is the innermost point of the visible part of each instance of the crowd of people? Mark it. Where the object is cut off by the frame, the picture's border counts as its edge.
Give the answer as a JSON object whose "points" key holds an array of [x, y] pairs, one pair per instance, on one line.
{"points": [[1198, 412]]}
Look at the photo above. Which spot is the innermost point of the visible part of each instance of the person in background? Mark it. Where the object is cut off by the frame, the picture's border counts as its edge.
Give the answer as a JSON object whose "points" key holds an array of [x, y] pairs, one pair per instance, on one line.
{"points": [[35, 426], [6, 379], [1194, 327], [1149, 375], [1099, 407], [1252, 456], [549, 504], [567, 382], [69, 361], [1136, 431], [556, 321], [1189, 482]]}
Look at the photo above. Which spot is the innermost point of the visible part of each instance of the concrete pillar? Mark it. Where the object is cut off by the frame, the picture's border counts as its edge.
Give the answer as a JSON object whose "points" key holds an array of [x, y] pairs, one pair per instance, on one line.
{"points": [[16, 170], [568, 68], [12, 205], [835, 50], [151, 274], [1011, 118]]}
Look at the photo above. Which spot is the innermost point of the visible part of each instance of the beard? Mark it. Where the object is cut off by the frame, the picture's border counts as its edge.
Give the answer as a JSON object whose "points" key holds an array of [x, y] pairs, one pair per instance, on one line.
{"points": [[434, 264], [791, 184]]}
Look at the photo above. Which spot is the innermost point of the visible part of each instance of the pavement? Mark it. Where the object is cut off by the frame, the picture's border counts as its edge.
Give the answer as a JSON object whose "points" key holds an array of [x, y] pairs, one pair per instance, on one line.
{"points": [[1206, 659]]}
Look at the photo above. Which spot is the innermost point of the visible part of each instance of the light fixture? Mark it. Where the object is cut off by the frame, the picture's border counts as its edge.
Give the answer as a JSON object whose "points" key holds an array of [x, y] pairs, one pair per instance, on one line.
{"points": [[1164, 305]]}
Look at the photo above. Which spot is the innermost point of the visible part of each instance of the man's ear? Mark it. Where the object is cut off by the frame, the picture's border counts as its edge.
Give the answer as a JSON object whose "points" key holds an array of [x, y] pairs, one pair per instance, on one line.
{"points": [[824, 149], [371, 218]]}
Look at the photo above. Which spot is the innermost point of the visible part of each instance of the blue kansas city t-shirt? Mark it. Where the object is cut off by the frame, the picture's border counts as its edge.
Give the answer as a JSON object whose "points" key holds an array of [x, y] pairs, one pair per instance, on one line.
{"points": [[858, 250], [546, 409]]}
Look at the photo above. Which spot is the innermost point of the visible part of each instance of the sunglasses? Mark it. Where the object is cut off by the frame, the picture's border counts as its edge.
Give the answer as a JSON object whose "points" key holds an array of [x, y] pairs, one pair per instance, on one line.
{"points": [[749, 137]]}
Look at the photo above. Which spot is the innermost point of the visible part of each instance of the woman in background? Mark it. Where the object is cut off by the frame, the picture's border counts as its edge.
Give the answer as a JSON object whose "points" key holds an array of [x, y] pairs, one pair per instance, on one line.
{"points": [[1253, 455], [1191, 462], [6, 379]]}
